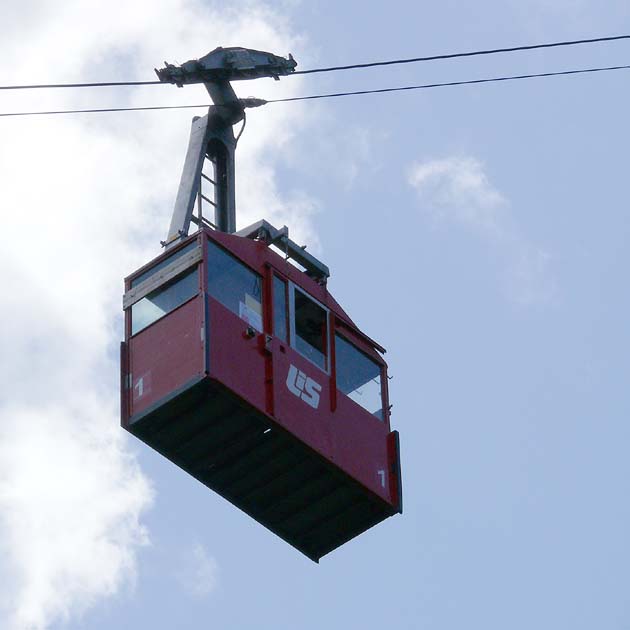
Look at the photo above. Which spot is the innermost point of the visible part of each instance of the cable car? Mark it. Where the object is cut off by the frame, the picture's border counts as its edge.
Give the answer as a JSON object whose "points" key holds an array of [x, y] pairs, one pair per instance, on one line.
{"points": [[238, 364]]}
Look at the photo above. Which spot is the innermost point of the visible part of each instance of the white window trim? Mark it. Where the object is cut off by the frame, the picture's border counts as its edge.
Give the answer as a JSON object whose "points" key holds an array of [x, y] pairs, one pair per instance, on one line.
{"points": [[292, 335]]}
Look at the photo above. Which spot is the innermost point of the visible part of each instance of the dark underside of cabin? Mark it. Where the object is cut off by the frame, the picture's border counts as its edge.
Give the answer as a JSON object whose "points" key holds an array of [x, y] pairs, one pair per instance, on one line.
{"points": [[260, 468]]}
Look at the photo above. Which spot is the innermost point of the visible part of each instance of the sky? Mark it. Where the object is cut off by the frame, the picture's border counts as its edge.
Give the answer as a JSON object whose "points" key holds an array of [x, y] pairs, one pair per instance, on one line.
{"points": [[478, 233]]}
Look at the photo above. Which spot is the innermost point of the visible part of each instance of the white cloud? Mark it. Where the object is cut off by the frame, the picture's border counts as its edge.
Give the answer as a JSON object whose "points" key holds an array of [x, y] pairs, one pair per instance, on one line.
{"points": [[199, 573], [455, 191], [84, 201], [71, 497]]}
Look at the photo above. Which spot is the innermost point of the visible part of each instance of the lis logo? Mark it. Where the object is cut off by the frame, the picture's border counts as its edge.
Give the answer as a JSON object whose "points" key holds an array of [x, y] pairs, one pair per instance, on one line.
{"points": [[303, 387]]}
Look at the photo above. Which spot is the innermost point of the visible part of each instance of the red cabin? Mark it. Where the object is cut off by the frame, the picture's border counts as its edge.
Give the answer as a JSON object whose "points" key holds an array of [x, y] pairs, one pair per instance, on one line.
{"points": [[240, 367], [245, 372]]}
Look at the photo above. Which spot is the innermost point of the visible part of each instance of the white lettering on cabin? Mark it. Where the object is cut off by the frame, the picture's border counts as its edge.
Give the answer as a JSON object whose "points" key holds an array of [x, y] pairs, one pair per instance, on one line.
{"points": [[303, 387], [140, 387]]}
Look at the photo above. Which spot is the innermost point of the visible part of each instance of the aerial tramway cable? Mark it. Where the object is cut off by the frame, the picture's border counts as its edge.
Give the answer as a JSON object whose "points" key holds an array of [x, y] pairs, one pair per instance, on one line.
{"points": [[425, 86], [391, 62]]}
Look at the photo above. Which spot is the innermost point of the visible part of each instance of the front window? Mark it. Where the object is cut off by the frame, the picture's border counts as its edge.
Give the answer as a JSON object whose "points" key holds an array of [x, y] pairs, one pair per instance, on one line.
{"points": [[163, 300], [310, 321], [358, 377], [234, 285]]}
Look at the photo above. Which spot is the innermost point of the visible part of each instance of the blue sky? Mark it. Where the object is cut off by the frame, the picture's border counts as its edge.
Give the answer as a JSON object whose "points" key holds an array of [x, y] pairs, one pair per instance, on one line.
{"points": [[479, 233]]}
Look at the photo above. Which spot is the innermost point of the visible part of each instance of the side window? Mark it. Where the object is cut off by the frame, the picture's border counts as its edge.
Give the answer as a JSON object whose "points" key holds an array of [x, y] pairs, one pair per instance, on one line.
{"points": [[163, 300], [280, 329], [358, 377], [234, 285], [310, 324]]}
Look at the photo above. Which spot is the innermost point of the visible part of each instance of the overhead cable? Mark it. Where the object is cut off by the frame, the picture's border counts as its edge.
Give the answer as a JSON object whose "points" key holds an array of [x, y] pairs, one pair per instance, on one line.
{"points": [[107, 109], [474, 53], [78, 85], [427, 86], [424, 86]]}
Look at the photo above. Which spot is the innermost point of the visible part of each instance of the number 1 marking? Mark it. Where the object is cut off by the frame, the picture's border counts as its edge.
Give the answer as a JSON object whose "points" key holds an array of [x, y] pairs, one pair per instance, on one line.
{"points": [[381, 474], [140, 387]]}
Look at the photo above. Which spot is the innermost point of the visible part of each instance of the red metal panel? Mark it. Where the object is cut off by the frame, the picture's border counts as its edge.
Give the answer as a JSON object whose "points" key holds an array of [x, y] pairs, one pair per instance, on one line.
{"points": [[393, 449], [124, 390], [166, 355], [302, 398], [236, 360], [360, 447]]}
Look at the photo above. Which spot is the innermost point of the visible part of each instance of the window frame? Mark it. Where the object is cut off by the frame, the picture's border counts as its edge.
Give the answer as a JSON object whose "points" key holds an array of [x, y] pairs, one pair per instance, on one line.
{"points": [[287, 315], [210, 242], [189, 251], [293, 287], [163, 287], [348, 338], [158, 274]]}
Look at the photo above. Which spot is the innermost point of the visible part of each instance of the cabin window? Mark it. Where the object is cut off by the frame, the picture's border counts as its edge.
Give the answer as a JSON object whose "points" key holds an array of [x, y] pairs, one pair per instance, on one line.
{"points": [[280, 327], [234, 285], [163, 300], [310, 329], [358, 377]]}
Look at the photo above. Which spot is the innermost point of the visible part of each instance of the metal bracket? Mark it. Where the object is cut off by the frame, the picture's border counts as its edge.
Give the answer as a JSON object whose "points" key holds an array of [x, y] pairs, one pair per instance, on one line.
{"points": [[208, 138], [227, 64], [212, 135], [264, 231]]}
